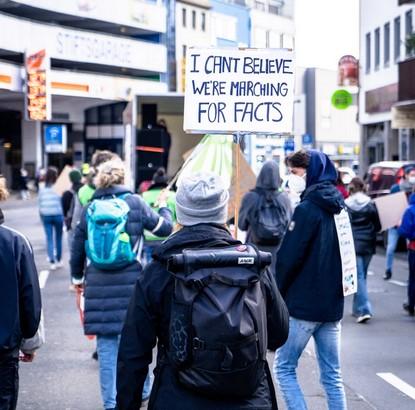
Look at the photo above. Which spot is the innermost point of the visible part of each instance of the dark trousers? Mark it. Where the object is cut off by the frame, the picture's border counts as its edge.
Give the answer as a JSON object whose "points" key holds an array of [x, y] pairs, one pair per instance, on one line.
{"points": [[411, 282], [9, 379]]}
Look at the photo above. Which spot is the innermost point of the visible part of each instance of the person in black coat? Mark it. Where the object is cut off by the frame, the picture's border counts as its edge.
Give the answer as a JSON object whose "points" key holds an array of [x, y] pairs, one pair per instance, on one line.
{"points": [[20, 306], [108, 292], [267, 190], [201, 207], [309, 276], [365, 225]]}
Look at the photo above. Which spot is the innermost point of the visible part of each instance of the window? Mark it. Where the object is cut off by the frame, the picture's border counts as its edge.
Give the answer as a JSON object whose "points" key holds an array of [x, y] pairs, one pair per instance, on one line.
{"points": [[184, 17], [184, 50], [386, 44], [408, 27], [203, 23], [368, 52], [397, 38], [193, 19], [377, 48]]}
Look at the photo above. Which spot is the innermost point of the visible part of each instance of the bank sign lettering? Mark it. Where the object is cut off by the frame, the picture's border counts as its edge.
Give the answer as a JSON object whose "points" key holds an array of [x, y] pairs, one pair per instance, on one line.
{"points": [[231, 90]]}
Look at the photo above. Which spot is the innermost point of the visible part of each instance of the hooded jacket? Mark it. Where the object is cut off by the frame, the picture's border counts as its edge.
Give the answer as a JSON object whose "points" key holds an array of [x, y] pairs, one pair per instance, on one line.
{"points": [[107, 293], [365, 223], [147, 323], [407, 228], [20, 300], [309, 269], [267, 185]]}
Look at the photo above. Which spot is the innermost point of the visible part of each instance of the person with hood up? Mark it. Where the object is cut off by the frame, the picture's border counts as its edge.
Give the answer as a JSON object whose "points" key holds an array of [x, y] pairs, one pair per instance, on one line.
{"points": [[201, 208], [266, 204], [108, 291], [406, 185], [407, 230], [365, 223], [309, 276]]}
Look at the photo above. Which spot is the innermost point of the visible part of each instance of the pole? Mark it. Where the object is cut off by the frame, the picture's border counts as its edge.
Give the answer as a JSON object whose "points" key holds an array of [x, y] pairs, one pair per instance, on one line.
{"points": [[237, 153]]}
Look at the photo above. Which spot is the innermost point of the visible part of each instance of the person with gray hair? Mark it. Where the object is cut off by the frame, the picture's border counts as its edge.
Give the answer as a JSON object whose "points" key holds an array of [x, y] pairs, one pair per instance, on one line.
{"points": [[201, 209]]}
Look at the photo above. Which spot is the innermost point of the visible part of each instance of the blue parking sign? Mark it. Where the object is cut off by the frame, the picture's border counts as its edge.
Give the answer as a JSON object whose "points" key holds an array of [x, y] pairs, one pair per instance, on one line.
{"points": [[55, 138]]}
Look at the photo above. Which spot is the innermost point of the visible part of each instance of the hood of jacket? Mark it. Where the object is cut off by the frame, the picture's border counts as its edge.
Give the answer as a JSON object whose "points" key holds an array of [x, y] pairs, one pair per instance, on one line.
{"points": [[326, 196], [357, 201], [196, 236], [269, 177], [320, 169], [115, 190]]}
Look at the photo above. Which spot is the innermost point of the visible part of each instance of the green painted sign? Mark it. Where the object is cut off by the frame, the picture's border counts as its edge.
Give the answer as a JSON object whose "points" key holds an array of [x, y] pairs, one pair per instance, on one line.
{"points": [[341, 99]]}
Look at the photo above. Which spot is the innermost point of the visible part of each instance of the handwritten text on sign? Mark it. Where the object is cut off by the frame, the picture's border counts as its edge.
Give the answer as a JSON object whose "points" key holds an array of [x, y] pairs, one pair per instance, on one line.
{"points": [[249, 90]]}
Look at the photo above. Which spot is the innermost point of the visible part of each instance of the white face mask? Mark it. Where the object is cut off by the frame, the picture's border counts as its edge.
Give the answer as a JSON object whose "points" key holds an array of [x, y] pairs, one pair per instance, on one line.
{"points": [[411, 180], [296, 183]]}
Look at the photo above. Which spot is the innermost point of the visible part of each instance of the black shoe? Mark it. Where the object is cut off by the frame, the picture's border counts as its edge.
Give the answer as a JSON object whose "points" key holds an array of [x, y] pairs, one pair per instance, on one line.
{"points": [[387, 275], [95, 355], [411, 311]]}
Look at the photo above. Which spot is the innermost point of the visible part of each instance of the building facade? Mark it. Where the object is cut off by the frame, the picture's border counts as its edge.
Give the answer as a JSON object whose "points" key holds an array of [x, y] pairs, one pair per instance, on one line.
{"points": [[387, 90], [99, 56]]}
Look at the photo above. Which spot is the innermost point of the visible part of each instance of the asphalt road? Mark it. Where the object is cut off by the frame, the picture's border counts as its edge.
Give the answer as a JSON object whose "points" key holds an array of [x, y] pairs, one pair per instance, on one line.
{"points": [[64, 377]]}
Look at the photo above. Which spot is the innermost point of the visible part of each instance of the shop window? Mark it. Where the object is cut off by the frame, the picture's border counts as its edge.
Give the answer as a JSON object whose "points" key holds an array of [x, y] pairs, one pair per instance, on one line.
{"points": [[91, 116], [105, 114]]}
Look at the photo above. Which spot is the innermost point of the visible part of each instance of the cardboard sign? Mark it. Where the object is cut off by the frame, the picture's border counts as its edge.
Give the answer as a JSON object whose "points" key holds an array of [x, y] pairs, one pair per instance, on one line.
{"points": [[63, 183], [347, 252], [391, 209], [232, 90]]}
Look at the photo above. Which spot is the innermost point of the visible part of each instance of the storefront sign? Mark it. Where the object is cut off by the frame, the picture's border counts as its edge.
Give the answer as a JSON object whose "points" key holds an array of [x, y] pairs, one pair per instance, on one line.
{"points": [[38, 100], [55, 138], [341, 99], [381, 99], [246, 90], [348, 71], [403, 117]]}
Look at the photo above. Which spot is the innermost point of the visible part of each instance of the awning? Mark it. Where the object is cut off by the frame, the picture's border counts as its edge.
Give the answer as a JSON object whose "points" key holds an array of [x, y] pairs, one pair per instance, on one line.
{"points": [[403, 114]]}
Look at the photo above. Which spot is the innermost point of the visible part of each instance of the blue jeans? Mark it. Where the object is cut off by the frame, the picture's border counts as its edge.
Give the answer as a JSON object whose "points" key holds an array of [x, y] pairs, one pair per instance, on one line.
{"points": [[327, 341], [53, 225], [361, 304], [107, 348], [393, 238]]}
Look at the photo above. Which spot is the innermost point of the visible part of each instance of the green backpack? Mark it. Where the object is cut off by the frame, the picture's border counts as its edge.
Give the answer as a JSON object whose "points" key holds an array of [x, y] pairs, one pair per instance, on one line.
{"points": [[108, 245]]}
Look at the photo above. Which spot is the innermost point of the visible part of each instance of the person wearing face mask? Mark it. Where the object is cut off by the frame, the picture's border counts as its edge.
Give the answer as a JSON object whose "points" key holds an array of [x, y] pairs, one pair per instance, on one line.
{"points": [[407, 185], [295, 186], [309, 276]]}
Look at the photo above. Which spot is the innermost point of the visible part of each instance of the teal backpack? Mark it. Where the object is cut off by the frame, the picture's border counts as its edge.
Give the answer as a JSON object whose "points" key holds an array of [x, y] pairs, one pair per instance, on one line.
{"points": [[108, 246]]}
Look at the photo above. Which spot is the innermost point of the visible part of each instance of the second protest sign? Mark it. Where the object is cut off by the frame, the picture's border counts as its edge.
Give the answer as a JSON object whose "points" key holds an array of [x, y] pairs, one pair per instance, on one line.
{"points": [[246, 90]]}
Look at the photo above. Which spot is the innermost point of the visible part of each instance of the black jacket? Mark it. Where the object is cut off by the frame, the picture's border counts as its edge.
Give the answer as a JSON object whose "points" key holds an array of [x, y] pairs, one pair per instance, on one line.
{"points": [[107, 293], [148, 321], [365, 223], [309, 269], [20, 300]]}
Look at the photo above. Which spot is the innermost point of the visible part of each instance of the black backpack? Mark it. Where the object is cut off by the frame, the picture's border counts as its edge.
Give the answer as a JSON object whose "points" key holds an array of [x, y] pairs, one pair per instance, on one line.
{"points": [[269, 223], [218, 324]]}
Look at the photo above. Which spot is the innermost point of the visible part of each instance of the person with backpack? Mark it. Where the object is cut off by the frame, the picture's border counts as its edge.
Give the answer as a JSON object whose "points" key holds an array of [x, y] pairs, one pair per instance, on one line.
{"points": [[159, 183], [109, 234], [211, 306], [365, 225], [20, 307], [265, 211], [309, 275]]}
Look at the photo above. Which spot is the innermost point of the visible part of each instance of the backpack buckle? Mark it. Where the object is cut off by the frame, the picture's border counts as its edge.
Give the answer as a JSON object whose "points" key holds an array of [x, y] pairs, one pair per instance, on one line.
{"points": [[199, 284], [198, 343]]}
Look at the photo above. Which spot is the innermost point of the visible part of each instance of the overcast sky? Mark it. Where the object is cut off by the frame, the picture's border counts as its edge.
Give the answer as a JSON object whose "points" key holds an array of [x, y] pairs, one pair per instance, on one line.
{"points": [[325, 31]]}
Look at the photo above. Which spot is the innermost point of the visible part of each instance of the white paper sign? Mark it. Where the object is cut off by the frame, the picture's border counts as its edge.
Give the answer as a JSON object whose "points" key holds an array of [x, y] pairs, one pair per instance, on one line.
{"points": [[246, 90], [347, 252]]}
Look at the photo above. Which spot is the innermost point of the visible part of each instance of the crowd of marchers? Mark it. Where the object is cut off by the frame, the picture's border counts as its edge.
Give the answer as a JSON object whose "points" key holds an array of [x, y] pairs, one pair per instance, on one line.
{"points": [[162, 269]]}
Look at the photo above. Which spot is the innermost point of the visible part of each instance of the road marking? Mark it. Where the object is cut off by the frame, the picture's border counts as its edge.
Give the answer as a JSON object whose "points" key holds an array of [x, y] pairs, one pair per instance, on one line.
{"points": [[43, 277], [398, 383], [398, 283]]}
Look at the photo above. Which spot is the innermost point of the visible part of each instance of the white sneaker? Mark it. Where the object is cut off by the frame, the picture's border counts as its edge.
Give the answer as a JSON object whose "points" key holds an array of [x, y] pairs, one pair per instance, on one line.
{"points": [[364, 318], [59, 264], [52, 266]]}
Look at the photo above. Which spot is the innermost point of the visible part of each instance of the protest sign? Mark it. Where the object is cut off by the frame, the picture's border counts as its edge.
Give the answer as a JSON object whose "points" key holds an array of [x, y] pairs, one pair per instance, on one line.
{"points": [[391, 209], [63, 183], [347, 252], [232, 90]]}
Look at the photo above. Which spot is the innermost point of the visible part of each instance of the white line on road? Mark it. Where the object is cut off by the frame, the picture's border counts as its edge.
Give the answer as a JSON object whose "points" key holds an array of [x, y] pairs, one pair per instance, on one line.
{"points": [[398, 383], [43, 277], [398, 282]]}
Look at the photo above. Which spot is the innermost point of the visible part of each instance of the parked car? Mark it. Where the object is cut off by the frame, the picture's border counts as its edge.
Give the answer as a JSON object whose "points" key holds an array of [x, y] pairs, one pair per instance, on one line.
{"points": [[382, 175]]}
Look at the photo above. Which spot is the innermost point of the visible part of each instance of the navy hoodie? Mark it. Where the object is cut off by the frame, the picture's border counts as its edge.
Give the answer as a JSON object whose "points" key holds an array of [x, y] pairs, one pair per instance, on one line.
{"points": [[309, 269]]}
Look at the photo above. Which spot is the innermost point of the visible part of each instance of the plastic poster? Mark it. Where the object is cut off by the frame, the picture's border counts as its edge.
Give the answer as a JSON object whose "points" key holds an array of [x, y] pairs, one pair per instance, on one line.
{"points": [[347, 252]]}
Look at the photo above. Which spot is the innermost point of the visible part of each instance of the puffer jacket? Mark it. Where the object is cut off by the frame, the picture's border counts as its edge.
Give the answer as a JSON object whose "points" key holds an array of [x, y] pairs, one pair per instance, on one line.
{"points": [[147, 323], [365, 223], [107, 293], [50, 203]]}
